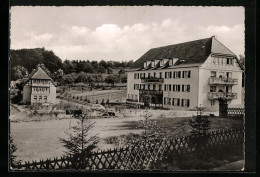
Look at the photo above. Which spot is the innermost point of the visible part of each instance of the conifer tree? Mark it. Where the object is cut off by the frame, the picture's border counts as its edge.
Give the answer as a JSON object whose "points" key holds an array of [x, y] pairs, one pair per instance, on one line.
{"points": [[79, 143]]}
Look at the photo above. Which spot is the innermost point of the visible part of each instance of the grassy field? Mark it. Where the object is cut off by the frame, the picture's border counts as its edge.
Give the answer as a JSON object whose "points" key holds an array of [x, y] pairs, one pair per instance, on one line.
{"points": [[112, 95], [40, 139]]}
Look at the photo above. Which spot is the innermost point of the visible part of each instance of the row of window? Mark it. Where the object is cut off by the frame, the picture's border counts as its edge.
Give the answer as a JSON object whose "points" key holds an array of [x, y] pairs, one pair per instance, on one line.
{"points": [[40, 97], [224, 89], [177, 102], [167, 75], [167, 87], [40, 89], [38, 81], [177, 88], [222, 61]]}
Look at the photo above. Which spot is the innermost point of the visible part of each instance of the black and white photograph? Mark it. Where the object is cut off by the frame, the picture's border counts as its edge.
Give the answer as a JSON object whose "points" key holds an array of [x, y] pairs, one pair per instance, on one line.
{"points": [[127, 88]]}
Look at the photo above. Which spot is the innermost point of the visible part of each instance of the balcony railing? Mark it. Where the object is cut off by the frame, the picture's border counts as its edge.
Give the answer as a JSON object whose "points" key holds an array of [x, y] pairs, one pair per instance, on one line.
{"points": [[152, 79], [131, 100], [222, 80], [217, 95], [150, 92]]}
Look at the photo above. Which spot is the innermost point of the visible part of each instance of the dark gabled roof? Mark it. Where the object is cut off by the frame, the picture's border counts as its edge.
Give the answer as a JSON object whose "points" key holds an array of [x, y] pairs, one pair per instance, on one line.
{"points": [[192, 52]]}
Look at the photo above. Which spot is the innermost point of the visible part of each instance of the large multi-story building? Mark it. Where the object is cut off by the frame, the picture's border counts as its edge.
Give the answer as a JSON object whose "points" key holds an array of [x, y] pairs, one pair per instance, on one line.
{"points": [[186, 75], [39, 88]]}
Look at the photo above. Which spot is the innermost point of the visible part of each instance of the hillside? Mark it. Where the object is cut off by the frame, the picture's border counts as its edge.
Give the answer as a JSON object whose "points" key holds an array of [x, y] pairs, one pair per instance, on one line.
{"points": [[29, 58]]}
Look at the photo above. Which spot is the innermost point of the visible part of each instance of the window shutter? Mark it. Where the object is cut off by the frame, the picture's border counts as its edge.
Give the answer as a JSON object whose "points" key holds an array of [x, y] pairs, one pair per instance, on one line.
{"points": [[188, 88], [188, 103], [188, 74], [173, 101], [173, 87]]}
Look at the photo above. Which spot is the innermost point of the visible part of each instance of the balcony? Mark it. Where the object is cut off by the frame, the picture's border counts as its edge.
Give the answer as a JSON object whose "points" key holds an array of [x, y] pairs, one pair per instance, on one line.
{"points": [[150, 92], [217, 95], [222, 81], [152, 80], [131, 100]]}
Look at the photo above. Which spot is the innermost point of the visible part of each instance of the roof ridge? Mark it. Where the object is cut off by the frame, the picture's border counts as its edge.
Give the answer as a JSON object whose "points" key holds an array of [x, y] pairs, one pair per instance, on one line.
{"points": [[181, 43]]}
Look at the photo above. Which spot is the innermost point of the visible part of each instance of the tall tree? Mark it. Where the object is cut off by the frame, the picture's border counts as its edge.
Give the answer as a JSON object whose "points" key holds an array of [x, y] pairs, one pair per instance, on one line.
{"points": [[18, 72]]}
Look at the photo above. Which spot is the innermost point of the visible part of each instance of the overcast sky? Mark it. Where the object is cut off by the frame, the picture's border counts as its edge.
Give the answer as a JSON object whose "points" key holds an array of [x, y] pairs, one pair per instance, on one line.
{"points": [[122, 33]]}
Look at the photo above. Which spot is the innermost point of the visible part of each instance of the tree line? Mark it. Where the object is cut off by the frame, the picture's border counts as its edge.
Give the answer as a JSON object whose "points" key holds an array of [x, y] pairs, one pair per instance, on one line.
{"points": [[23, 61]]}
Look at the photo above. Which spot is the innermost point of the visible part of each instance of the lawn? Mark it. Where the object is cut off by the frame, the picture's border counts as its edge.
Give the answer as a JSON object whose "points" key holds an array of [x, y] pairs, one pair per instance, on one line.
{"points": [[112, 95], [40, 139]]}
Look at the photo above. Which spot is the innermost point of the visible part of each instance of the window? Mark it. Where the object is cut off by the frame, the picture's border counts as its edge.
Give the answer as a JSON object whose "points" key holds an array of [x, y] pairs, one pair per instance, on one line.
{"points": [[149, 75], [184, 74], [40, 97], [177, 88], [178, 74], [176, 101], [213, 88], [35, 97], [173, 87], [229, 61], [154, 87], [167, 101], [173, 74], [45, 97], [167, 87], [137, 75], [160, 87], [160, 74], [188, 88], [212, 102], [214, 60], [136, 86], [213, 74], [149, 86], [154, 75], [185, 88], [185, 102]]}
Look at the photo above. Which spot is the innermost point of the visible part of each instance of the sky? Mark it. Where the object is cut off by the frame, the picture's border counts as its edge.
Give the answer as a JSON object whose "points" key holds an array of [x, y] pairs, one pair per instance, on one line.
{"points": [[121, 33]]}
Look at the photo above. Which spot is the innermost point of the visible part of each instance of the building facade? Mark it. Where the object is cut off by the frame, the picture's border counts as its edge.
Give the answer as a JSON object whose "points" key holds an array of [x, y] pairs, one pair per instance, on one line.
{"points": [[39, 88], [186, 75]]}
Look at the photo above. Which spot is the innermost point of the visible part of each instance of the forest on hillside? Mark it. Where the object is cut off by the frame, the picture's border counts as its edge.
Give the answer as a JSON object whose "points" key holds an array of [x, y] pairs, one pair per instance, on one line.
{"points": [[23, 61]]}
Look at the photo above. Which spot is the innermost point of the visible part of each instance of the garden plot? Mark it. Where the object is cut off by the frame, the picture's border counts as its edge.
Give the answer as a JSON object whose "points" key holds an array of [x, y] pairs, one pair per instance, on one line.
{"points": [[92, 96]]}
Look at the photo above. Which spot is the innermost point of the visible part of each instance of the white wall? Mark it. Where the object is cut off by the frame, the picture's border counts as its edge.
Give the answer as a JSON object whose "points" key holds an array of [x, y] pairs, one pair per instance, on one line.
{"points": [[192, 81], [204, 87], [26, 93]]}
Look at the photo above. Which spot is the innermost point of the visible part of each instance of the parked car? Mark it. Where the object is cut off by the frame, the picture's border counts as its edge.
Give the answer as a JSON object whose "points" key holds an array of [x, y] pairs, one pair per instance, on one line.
{"points": [[108, 114]]}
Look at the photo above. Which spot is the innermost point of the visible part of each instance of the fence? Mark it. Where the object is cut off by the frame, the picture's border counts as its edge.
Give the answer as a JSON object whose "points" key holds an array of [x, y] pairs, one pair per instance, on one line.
{"points": [[141, 155], [235, 112]]}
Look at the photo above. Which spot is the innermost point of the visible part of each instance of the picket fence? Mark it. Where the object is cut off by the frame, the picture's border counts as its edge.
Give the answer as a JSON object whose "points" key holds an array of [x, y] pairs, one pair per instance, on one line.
{"points": [[139, 156], [235, 112]]}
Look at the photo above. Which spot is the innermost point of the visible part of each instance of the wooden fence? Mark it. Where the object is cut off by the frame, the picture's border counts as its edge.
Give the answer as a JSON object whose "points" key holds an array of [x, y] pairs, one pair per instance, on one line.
{"points": [[141, 155], [235, 112]]}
